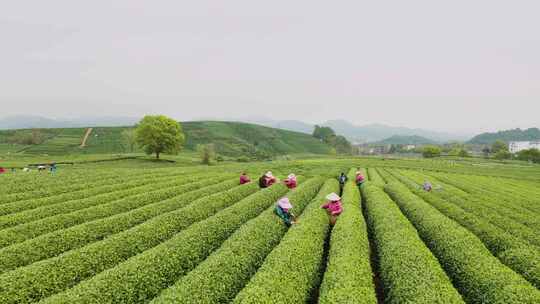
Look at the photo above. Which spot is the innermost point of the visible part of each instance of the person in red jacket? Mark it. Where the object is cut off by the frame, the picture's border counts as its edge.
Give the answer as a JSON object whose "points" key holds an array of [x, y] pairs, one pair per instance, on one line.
{"points": [[2, 170], [290, 182], [360, 179], [244, 179], [333, 207], [267, 180]]}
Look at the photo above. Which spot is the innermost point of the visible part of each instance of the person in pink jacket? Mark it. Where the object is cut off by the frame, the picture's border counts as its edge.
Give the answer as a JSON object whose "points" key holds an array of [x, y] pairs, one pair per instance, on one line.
{"points": [[290, 182], [333, 207], [244, 179]]}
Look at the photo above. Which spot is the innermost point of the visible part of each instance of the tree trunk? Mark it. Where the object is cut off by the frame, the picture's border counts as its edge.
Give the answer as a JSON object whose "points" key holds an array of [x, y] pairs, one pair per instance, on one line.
{"points": [[157, 155]]}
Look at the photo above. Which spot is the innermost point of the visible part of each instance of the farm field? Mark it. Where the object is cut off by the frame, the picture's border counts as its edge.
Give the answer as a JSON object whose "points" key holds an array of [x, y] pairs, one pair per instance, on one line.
{"points": [[124, 233]]}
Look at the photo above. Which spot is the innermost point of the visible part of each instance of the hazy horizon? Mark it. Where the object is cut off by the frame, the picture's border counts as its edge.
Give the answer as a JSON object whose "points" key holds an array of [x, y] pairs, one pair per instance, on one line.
{"points": [[460, 66]]}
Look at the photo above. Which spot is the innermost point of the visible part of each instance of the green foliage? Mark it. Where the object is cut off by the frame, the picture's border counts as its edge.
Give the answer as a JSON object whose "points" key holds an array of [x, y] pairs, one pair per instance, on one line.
{"points": [[302, 249], [142, 277], [480, 277], [531, 155], [255, 142], [348, 277], [503, 154], [499, 146], [216, 280], [207, 153], [507, 136], [159, 134], [460, 152], [431, 151], [512, 251], [340, 144], [323, 133], [59, 241], [35, 220], [408, 270], [463, 153]]}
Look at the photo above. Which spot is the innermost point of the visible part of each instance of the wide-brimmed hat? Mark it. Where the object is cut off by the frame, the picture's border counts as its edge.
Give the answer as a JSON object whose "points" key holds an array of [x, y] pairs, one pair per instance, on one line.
{"points": [[333, 197], [291, 176], [358, 172], [284, 203], [269, 174]]}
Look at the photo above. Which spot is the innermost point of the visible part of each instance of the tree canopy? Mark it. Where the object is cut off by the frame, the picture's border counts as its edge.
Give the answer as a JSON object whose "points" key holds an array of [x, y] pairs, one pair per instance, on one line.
{"points": [[499, 146], [431, 151], [328, 136], [159, 134]]}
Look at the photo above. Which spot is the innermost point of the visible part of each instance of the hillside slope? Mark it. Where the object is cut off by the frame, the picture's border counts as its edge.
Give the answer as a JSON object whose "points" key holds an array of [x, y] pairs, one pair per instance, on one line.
{"points": [[230, 139], [506, 136], [406, 140]]}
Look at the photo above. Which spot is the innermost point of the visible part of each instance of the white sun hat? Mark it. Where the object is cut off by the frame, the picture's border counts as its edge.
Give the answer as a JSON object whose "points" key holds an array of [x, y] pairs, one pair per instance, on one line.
{"points": [[333, 197], [291, 176], [284, 203], [269, 174]]}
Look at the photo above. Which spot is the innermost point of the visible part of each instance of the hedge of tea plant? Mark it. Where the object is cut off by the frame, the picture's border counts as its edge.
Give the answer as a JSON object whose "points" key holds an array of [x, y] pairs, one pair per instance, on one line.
{"points": [[142, 277], [47, 277], [348, 277], [479, 276], [408, 270]]}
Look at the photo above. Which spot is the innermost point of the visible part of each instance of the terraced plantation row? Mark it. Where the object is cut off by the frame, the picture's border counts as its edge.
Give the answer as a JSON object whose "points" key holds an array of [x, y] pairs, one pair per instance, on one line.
{"points": [[195, 235]]}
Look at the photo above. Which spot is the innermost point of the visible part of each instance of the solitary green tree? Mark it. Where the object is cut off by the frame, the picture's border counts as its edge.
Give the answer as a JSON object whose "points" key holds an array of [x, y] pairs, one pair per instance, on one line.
{"points": [[159, 134], [431, 151], [498, 146]]}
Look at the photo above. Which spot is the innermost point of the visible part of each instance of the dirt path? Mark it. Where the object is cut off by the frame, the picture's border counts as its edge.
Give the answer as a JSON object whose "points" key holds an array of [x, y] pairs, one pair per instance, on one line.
{"points": [[88, 131]]}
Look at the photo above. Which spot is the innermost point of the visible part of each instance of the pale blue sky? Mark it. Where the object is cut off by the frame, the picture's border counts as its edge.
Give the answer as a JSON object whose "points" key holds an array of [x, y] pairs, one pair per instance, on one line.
{"points": [[446, 65]]}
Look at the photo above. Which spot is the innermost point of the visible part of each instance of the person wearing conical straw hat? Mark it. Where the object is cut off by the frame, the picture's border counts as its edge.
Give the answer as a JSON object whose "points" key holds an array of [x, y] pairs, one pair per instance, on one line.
{"points": [[290, 181], [360, 179], [284, 211], [333, 207]]}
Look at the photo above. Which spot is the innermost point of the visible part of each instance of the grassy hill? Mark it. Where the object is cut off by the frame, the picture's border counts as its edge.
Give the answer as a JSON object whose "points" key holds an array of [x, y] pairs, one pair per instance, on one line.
{"points": [[506, 136], [230, 138]]}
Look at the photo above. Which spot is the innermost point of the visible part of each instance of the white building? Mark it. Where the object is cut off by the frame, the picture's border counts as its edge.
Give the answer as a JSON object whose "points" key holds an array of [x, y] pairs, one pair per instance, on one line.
{"points": [[516, 146], [410, 147]]}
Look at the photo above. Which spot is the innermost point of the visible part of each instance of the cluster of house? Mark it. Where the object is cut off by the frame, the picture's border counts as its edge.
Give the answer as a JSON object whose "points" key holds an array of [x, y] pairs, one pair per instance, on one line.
{"points": [[516, 146]]}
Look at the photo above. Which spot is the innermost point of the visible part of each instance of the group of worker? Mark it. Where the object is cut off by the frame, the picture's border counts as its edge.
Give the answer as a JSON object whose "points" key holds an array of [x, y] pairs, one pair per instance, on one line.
{"points": [[283, 208], [52, 169], [268, 179]]}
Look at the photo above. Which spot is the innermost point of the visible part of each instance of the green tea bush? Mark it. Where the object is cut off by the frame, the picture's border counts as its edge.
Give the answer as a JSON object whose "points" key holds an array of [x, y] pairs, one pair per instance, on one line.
{"points": [[348, 277], [220, 277], [408, 270], [47, 277], [33, 229], [141, 278], [479, 276], [292, 270], [55, 243]]}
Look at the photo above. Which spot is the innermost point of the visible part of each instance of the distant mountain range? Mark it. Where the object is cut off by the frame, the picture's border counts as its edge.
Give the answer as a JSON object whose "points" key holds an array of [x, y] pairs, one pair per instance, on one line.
{"points": [[506, 136], [378, 132], [357, 134], [29, 121]]}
